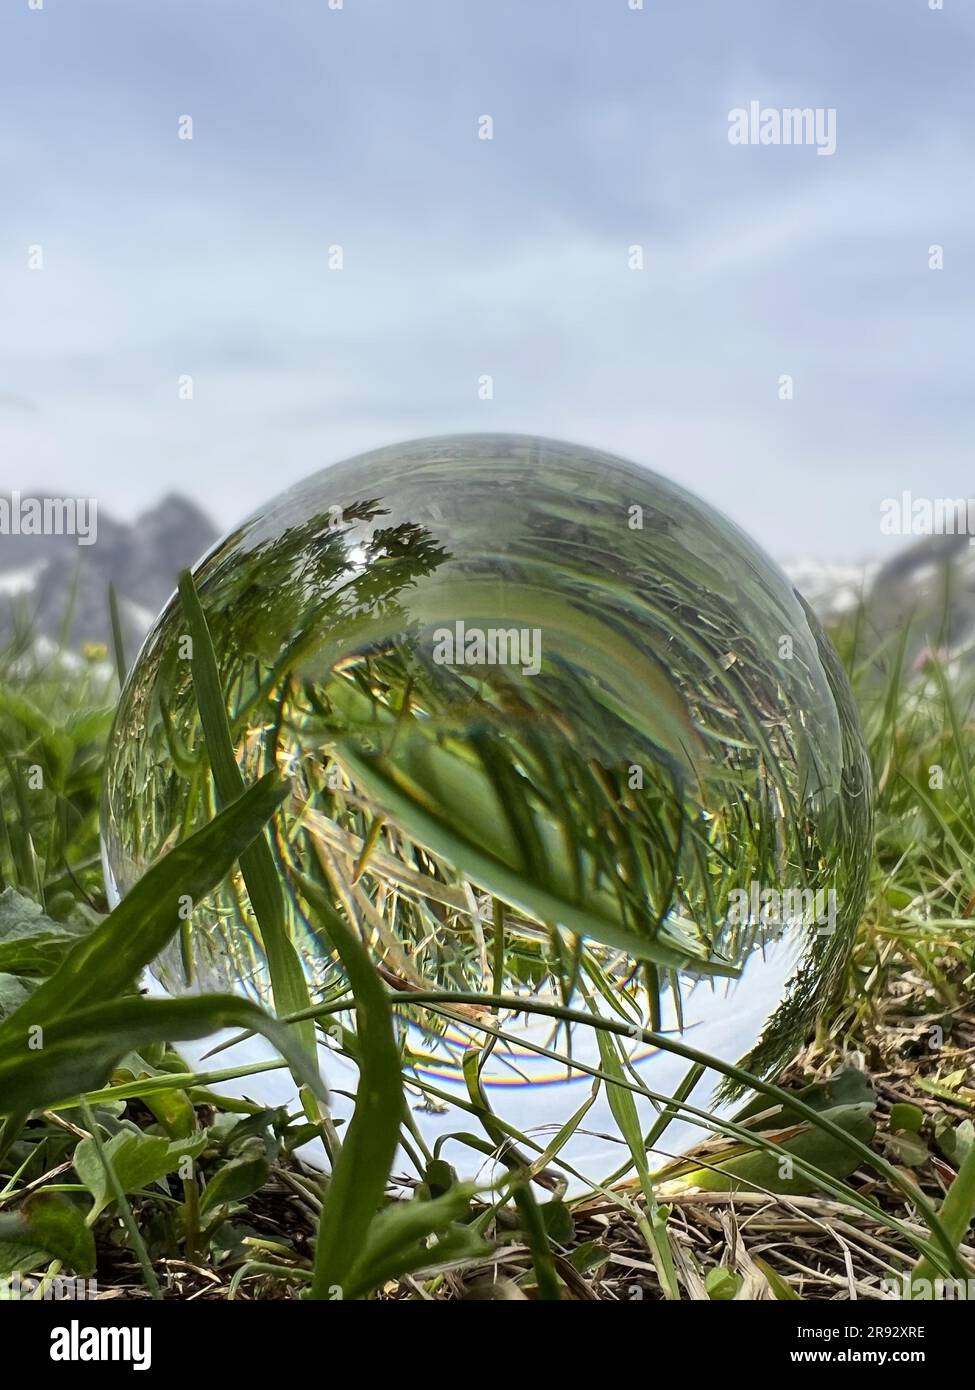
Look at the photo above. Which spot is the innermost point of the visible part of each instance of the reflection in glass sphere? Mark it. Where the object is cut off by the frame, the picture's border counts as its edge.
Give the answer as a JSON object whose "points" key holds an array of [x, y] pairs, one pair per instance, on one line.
{"points": [[556, 730]]}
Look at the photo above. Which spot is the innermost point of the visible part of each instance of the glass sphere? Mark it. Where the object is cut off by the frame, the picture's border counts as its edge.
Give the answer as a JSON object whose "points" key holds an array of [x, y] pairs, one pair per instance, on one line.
{"points": [[557, 730]]}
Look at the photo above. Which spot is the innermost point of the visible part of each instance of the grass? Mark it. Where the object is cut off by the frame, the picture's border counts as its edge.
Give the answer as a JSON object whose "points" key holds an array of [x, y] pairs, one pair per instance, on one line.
{"points": [[853, 1174]]}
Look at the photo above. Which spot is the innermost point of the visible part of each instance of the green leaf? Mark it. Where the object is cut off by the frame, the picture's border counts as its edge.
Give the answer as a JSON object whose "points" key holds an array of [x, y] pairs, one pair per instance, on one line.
{"points": [[956, 1141], [30, 942], [288, 985], [80, 1049], [171, 1107], [847, 1086], [546, 1276], [407, 804], [557, 1220], [16, 1257], [439, 1177], [957, 1212], [721, 1284], [18, 707], [49, 1222], [106, 963], [909, 1149], [397, 1243], [588, 1256], [236, 1180], [362, 1168], [906, 1118], [138, 1159], [733, 1165], [623, 1107], [13, 992], [118, 643]]}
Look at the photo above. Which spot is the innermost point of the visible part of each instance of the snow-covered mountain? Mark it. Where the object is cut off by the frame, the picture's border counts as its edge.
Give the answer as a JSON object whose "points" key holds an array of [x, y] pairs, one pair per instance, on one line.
{"points": [[52, 581], [924, 594], [831, 590], [54, 584]]}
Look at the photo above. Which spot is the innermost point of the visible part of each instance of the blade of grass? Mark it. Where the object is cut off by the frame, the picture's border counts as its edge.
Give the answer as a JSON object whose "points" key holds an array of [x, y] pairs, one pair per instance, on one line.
{"points": [[362, 1168], [80, 1048], [108, 961], [748, 1081], [653, 1226], [118, 643], [957, 1212], [409, 807], [520, 1175], [288, 984], [125, 1211]]}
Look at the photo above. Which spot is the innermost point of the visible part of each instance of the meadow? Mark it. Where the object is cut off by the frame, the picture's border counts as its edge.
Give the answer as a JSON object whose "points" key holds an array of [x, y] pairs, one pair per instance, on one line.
{"points": [[852, 1174]]}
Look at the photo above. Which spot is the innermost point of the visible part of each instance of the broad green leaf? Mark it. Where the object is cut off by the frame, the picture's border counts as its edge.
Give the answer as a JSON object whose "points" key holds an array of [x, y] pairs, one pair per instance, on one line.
{"points": [[407, 803], [17, 1257], [955, 1141], [721, 1284], [138, 1159], [50, 1222], [13, 992], [398, 1241], [19, 707], [172, 1107], [956, 1212], [557, 1219], [80, 1049], [106, 963], [30, 942], [847, 1086], [906, 1118], [732, 1165], [909, 1149], [236, 1180]]}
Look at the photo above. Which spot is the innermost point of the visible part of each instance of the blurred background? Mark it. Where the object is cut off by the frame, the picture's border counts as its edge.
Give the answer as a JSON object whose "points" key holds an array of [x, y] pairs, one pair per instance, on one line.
{"points": [[336, 259]]}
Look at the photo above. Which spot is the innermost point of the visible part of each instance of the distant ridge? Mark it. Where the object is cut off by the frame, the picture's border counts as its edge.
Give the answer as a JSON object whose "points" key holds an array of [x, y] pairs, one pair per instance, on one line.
{"points": [[52, 580]]}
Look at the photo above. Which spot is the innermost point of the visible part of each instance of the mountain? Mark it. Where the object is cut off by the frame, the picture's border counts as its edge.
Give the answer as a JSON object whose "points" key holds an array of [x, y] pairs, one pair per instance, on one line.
{"points": [[927, 588], [48, 580], [831, 590], [923, 597]]}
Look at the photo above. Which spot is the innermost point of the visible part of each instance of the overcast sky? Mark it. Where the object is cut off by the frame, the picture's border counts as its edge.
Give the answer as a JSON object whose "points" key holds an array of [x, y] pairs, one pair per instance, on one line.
{"points": [[463, 257]]}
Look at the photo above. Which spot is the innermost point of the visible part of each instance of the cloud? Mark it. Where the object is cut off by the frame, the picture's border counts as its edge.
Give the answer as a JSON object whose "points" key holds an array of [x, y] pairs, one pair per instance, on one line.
{"points": [[210, 258]]}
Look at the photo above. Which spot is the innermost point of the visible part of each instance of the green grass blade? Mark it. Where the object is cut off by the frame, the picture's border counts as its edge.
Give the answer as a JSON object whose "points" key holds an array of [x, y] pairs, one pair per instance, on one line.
{"points": [[361, 1170], [520, 1171], [381, 778], [787, 1099], [288, 984], [81, 1048], [118, 643], [624, 1111], [957, 1212], [107, 963], [125, 1210]]}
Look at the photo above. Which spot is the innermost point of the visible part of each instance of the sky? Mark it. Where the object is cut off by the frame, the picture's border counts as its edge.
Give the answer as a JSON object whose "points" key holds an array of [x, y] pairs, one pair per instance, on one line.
{"points": [[358, 127]]}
